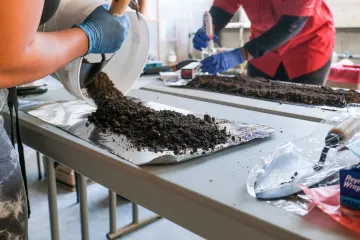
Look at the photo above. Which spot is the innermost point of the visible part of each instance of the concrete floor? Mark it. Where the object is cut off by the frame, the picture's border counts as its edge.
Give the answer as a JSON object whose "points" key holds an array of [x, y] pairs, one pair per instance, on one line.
{"points": [[39, 226]]}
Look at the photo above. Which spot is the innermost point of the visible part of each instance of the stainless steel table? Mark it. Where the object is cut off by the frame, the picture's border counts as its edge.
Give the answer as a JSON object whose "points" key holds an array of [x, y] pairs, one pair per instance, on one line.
{"points": [[206, 195], [286, 110]]}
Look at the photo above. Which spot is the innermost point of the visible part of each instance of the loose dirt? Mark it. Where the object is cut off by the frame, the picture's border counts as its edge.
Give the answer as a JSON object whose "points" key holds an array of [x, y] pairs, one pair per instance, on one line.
{"points": [[275, 90], [148, 128]]}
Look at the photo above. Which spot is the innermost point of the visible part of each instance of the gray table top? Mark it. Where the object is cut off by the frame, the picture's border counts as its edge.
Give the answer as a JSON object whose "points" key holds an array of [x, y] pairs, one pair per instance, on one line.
{"points": [[287, 110], [206, 195]]}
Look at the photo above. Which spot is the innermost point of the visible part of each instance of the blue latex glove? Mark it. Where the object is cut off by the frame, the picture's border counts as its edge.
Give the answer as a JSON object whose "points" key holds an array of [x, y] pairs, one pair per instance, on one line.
{"points": [[106, 33], [222, 61], [201, 40]]}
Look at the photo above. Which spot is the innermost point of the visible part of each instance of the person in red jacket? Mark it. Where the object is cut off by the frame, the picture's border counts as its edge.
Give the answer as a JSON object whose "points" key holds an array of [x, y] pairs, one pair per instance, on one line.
{"points": [[291, 40]]}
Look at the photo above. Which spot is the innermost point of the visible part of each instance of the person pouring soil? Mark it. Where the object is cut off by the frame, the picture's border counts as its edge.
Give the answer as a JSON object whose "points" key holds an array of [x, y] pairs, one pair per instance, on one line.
{"points": [[291, 40], [27, 55]]}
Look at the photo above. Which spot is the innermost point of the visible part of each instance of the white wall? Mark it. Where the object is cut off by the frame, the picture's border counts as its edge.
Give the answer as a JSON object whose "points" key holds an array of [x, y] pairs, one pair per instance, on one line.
{"points": [[346, 13], [177, 18]]}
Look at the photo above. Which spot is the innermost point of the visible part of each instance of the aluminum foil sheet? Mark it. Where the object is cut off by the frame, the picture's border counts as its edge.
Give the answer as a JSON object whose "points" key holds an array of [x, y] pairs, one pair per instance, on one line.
{"points": [[183, 83], [71, 116]]}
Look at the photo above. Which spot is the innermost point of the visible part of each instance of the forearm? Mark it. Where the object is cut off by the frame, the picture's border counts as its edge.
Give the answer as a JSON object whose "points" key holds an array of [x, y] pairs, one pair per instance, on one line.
{"points": [[46, 53], [220, 18], [285, 29]]}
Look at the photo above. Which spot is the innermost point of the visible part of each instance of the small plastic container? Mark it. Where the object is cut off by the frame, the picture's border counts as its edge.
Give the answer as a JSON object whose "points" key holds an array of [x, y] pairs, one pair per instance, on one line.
{"points": [[127, 64]]}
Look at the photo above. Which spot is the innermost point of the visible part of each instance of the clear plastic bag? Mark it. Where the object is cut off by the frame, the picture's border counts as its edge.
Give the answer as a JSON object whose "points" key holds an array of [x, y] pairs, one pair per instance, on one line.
{"points": [[292, 164]]}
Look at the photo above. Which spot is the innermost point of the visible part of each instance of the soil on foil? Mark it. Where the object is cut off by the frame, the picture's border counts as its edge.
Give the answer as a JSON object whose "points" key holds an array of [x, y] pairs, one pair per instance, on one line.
{"points": [[275, 90], [148, 128]]}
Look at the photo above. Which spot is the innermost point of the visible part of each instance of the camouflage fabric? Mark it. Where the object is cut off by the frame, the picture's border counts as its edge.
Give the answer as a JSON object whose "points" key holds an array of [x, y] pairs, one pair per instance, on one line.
{"points": [[13, 207]]}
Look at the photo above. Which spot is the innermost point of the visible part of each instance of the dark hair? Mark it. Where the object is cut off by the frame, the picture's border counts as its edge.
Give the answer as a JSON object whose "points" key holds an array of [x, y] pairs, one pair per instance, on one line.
{"points": [[50, 7]]}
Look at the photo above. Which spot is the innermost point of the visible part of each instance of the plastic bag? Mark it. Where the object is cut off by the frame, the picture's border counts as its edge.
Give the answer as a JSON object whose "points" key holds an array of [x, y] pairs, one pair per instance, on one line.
{"points": [[291, 165], [328, 200]]}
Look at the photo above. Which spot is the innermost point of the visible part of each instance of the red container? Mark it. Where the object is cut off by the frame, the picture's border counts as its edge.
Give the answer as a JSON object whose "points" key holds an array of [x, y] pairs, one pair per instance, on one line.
{"points": [[344, 76]]}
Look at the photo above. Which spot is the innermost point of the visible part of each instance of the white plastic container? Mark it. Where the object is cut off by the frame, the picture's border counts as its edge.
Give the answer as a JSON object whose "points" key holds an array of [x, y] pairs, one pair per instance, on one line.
{"points": [[127, 64]]}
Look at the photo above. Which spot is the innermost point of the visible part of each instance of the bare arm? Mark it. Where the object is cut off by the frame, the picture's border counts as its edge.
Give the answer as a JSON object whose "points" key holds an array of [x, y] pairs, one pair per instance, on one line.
{"points": [[26, 55]]}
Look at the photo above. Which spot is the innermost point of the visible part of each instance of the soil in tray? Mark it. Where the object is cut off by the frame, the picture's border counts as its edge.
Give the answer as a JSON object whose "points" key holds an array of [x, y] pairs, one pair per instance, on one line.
{"points": [[275, 90], [148, 128]]}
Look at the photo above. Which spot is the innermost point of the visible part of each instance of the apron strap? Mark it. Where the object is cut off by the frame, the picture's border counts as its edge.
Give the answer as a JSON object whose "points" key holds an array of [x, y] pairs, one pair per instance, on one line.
{"points": [[13, 104]]}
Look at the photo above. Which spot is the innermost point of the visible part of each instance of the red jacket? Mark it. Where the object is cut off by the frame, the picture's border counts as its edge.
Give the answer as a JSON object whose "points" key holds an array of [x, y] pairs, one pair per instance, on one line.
{"points": [[308, 51]]}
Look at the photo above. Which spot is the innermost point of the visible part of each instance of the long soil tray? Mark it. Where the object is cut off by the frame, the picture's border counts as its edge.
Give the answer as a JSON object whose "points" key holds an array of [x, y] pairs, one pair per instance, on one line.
{"points": [[275, 90], [76, 123]]}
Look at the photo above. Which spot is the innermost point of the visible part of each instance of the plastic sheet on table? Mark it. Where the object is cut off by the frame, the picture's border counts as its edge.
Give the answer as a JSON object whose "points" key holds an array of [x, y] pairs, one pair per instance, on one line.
{"points": [[71, 116], [347, 108], [291, 165]]}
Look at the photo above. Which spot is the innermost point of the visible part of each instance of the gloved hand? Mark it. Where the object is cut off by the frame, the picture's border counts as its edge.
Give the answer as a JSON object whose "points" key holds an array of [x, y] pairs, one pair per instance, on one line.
{"points": [[222, 61], [105, 32], [201, 40]]}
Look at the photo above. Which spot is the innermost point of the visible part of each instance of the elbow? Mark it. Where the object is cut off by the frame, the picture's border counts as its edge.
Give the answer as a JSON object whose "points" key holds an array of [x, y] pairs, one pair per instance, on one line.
{"points": [[12, 72], [14, 67], [8, 79], [8, 72]]}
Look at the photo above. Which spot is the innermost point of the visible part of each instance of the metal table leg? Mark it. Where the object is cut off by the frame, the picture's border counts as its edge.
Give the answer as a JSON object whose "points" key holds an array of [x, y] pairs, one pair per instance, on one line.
{"points": [[83, 207], [135, 225], [112, 211], [39, 165], [77, 184], [135, 213], [51, 186]]}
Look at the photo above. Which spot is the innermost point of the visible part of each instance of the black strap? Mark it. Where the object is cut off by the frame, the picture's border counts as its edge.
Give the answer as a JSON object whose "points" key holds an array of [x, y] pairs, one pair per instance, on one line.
{"points": [[49, 9], [13, 104]]}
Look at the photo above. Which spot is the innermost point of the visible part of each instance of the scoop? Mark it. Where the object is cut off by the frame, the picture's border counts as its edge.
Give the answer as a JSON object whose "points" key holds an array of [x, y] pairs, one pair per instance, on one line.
{"points": [[339, 134], [89, 71], [283, 176]]}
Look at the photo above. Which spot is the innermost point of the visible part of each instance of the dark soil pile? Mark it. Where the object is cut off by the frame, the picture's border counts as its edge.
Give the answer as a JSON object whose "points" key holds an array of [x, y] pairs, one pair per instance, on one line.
{"points": [[147, 128], [277, 91]]}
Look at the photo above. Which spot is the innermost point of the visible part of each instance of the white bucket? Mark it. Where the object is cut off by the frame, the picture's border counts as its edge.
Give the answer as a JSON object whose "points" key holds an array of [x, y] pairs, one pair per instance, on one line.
{"points": [[126, 65]]}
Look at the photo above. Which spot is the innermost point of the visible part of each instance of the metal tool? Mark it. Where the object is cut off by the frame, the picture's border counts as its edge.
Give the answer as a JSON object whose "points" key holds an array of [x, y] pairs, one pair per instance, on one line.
{"points": [[339, 134], [208, 28], [89, 71], [24, 91], [283, 176]]}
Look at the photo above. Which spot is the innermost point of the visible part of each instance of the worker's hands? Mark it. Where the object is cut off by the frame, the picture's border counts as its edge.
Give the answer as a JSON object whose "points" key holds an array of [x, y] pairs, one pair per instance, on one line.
{"points": [[201, 40], [105, 32], [222, 61]]}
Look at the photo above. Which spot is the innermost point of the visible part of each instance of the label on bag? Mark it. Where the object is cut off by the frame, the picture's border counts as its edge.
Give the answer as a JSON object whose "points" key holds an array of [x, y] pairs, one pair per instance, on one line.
{"points": [[350, 188]]}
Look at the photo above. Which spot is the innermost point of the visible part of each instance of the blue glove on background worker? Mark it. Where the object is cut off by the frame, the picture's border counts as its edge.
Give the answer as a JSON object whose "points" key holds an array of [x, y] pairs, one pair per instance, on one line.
{"points": [[222, 61], [201, 40], [106, 33], [219, 62]]}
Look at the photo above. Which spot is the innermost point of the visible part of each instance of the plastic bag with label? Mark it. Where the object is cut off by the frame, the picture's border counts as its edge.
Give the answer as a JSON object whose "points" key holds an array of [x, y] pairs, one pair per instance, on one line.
{"points": [[328, 200]]}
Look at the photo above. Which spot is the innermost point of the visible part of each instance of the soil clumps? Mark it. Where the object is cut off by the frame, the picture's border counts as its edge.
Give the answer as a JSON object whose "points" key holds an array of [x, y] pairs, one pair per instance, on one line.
{"points": [[147, 128], [275, 90]]}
